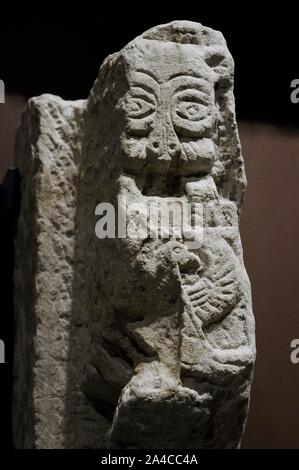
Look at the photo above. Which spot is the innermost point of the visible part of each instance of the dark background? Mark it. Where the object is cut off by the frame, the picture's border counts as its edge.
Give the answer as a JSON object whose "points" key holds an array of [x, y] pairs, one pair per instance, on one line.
{"points": [[50, 52]]}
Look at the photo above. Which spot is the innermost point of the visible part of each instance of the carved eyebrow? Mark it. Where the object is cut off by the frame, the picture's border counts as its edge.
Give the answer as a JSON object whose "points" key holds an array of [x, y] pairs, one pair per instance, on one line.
{"points": [[147, 92], [198, 87], [187, 75], [196, 83], [147, 72], [148, 82]]}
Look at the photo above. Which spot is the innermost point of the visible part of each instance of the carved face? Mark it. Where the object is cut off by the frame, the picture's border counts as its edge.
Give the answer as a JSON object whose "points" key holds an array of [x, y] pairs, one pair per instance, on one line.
{"points": [[170, 112]]}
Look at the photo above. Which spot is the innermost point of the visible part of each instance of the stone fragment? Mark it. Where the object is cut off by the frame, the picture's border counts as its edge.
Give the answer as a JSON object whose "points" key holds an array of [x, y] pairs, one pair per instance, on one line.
{"points": [[135, 331]]}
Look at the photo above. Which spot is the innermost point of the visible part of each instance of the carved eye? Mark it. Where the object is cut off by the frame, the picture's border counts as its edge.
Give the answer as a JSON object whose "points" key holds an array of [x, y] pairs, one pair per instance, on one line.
{"points": [[190, 110], [192, 105], [138, 108]]}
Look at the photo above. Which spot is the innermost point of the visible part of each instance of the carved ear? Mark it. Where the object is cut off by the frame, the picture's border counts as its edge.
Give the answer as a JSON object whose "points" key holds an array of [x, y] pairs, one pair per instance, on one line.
{"points": [[213, 58], [222, 64]]}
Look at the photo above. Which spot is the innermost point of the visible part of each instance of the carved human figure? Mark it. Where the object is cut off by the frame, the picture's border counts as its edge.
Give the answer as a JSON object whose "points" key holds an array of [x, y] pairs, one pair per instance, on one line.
{"points": [[172, 345]]}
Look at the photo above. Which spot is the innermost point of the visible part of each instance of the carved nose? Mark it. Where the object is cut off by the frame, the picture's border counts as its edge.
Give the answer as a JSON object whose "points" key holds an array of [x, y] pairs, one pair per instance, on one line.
{"points": [[173, 147], [155, 146], [163, 143]]}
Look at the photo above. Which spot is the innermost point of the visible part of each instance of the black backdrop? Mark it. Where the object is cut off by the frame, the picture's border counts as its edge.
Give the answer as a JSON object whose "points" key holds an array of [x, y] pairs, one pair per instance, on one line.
{"points": [[49, 51]]}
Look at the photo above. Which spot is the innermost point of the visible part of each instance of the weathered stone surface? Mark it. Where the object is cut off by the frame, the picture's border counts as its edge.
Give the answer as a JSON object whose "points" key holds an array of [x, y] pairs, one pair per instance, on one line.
{"points": [[144, 341], [47, 155]]}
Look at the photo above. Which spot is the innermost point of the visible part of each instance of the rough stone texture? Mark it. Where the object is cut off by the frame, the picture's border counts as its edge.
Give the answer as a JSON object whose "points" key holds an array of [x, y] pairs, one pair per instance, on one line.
{"points": [[48, 151], [134, 342]]}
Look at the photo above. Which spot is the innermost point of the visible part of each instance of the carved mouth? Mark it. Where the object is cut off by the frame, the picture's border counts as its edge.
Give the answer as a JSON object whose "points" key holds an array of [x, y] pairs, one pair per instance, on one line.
{"points": [[165, 186], [185, 156]]}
